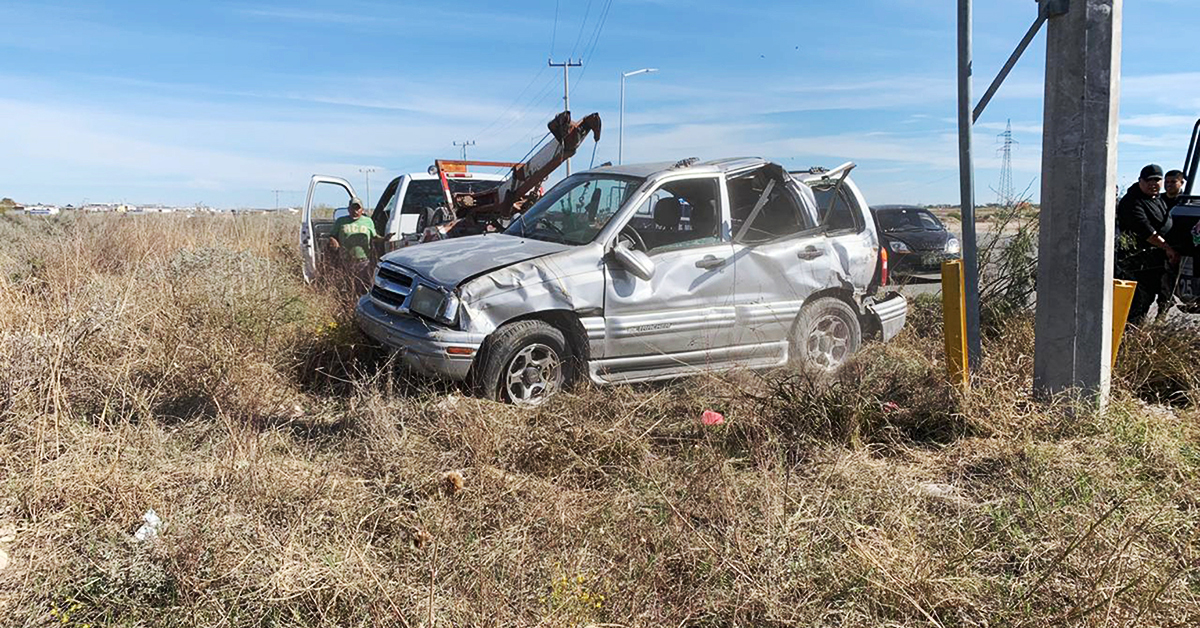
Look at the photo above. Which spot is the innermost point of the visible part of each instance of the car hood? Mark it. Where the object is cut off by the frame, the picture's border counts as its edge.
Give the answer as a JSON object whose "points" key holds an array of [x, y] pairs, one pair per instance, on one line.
{"points": [[920, 240], [450, 262]]}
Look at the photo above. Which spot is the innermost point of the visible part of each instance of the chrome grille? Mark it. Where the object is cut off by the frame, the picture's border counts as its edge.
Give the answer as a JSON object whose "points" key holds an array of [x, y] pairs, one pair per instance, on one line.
{"points": [[396, 276], [392, 286]]}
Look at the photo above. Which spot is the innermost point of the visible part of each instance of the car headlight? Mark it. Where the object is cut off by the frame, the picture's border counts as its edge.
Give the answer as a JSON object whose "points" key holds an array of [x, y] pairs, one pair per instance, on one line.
{"points": [[952, 246], [898, 247], [433, 303]]}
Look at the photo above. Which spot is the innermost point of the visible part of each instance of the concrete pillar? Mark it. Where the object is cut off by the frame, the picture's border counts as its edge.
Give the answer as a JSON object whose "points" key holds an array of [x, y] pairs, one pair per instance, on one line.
{"points": [[1072, 349]]}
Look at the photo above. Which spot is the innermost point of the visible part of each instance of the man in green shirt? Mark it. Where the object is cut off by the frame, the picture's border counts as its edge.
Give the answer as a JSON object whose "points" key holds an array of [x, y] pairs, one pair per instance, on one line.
{"points": [[351, 241]]}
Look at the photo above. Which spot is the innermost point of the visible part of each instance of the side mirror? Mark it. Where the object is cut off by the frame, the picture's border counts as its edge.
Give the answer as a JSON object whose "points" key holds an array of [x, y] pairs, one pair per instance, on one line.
{"points": [[633, 261]]}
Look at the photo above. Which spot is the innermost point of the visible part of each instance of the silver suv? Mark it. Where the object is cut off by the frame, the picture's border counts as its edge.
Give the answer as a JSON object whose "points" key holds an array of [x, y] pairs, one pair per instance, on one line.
{"points": [[644, 272]]}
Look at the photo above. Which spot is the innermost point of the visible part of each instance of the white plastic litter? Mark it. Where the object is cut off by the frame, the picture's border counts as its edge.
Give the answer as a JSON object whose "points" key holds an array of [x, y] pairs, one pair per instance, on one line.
{"points": [[149, 530]]}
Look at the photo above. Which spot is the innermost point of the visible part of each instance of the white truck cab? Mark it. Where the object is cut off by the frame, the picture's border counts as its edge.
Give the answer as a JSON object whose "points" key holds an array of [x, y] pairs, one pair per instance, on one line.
{"points": [[409, 204]]}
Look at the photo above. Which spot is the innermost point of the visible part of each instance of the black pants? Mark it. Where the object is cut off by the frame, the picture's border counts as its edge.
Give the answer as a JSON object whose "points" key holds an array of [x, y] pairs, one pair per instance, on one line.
{"points": [[1149, 286]]}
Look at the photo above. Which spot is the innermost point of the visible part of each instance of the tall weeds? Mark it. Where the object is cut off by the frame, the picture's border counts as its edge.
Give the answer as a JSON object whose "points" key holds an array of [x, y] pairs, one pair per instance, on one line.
{"points": [[181, 364]]}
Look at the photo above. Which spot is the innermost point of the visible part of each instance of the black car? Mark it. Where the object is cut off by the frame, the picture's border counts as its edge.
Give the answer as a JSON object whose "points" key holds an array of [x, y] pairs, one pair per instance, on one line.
{"points": [[916, 241]]}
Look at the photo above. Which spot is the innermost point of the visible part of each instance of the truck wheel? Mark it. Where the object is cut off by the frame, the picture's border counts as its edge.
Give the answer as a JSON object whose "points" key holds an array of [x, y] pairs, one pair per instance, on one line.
{"points": [[524, 363], [826, 334]]}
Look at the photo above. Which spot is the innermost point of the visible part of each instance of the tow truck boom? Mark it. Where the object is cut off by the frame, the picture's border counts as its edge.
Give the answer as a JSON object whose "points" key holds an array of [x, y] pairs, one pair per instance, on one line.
{"points": [[473, 212]]}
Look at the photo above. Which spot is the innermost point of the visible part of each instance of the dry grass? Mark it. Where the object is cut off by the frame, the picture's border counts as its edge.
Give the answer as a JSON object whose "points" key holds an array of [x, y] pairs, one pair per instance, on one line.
{"points": [[181, 365]]}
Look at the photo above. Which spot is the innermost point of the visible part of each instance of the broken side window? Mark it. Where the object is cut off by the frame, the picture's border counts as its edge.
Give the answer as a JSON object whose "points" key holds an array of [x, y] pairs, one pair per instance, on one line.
{"points": [[679, 215], [838, 208], [765, 208]]}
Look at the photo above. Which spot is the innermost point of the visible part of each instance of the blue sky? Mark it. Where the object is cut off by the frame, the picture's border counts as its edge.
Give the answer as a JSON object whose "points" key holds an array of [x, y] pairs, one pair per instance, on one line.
{"points": [[221, 102]]}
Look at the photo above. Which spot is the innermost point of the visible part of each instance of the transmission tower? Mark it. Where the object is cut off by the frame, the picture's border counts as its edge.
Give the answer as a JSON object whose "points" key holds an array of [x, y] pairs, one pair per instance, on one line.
{"points": [[1005, 193]]}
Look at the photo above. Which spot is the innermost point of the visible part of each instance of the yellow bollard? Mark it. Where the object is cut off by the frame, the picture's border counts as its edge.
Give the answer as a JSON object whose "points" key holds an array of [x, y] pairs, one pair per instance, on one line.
{"points": [[1121, 300], [954, 322]]}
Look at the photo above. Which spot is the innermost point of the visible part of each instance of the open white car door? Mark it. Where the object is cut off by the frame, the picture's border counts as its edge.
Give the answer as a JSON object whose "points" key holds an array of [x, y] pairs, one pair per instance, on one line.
{"points": [[327, 200]]}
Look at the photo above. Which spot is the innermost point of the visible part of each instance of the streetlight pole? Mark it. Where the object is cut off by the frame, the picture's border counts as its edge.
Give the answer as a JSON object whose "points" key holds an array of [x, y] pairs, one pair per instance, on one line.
{"points": [[367, 172], [621, 131]]}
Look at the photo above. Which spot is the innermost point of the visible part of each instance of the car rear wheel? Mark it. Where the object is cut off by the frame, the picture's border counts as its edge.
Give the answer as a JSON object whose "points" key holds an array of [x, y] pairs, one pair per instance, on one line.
{"points": [[826, 333], [525, 363]]}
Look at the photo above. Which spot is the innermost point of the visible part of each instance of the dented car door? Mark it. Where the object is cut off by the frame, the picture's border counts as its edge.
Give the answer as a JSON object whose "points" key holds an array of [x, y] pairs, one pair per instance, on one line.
{"points": [[681, 318], [782, 258]]}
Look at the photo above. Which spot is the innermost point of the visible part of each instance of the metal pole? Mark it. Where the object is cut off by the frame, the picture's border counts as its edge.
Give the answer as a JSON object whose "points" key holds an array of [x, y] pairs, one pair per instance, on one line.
{"points": [[464, 144], [966, 168], [621, 129], [567, 99], [1011, 63], [621, 132]]}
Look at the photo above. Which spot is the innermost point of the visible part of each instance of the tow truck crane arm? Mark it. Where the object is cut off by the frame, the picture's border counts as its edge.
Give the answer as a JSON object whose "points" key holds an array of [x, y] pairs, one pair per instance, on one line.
{"points": [[473, 211]]}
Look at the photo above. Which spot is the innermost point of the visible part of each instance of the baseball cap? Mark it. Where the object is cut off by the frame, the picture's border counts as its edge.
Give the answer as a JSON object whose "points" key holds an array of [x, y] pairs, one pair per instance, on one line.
{"points": [[354, 202], [1153, 171]]}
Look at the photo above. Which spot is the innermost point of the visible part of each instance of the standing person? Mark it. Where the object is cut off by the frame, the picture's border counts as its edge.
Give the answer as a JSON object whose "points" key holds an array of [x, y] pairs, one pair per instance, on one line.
{"points": [[1173, 186], [1143, 252], [1180, 238], [352, 236]]}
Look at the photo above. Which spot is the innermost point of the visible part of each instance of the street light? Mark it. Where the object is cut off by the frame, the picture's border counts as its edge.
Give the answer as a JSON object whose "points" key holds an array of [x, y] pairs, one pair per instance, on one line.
{"points": [[621, 132]]}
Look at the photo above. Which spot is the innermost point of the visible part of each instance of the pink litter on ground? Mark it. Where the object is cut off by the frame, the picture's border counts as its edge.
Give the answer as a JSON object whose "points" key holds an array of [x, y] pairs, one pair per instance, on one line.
{"points": [[890, 407], [712, 418]]}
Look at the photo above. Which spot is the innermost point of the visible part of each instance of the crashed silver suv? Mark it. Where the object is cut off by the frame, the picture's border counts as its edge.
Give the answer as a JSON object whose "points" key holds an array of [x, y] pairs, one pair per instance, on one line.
{"points": [[643, 272]]}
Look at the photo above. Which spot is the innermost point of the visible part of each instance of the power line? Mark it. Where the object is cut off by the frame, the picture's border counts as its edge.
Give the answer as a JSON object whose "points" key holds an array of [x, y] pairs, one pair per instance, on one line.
{"points": [[513, 104], [582, 24], [595, 39], [554, 34], [536, 100]]}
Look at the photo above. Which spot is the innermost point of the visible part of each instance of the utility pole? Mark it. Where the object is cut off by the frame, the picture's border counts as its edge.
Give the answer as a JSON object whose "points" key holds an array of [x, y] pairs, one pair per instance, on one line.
{"points": [[464, 144], [566, 66], [276, 198], [367, 172], [1073, 341], [966, 185]]}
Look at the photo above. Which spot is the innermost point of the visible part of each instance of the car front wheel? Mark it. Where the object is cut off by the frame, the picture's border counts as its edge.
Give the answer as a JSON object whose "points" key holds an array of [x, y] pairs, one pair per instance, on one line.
{"points": [[826, 333], [524, 363]]}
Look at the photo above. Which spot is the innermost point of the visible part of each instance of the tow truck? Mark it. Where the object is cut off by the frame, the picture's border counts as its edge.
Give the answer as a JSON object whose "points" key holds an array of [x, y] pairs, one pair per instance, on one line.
{"points": [[447, 201]]}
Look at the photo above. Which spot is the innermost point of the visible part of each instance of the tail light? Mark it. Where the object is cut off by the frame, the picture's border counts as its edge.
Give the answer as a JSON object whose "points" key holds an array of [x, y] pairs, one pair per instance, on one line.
{"points": [[883, 266]]}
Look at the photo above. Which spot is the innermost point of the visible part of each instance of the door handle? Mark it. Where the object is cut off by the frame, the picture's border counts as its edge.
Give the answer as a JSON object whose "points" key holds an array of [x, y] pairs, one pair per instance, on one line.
{"points": [[810, 253], [709, 262]]}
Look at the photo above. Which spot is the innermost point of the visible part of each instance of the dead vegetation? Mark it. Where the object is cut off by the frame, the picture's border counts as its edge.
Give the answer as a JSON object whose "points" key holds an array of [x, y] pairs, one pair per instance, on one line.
{"points": [[181, 365]]}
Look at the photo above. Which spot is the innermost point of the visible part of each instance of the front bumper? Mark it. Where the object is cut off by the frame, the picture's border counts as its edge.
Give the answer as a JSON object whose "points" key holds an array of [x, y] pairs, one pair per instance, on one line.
{"points": [[423, 346], [918, 262]]}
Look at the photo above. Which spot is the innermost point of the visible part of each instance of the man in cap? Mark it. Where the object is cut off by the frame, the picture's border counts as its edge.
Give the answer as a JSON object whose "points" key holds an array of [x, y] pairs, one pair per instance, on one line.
{"points": [[1143, 252], [352, 236]]}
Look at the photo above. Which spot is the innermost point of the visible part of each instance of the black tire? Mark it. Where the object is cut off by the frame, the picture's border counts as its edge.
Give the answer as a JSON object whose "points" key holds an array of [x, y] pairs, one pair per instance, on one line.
{"points": [[826, 333], [516, 351]]}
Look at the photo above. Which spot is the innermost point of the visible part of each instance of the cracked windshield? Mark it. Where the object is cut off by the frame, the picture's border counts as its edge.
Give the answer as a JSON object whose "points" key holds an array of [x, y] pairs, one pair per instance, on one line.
{"points": [[575, 210]]}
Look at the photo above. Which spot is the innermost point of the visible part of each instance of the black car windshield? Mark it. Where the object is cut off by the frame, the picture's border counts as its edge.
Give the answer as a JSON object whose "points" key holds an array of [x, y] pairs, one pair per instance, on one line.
{"points": [[908, 219], [576, 209]]}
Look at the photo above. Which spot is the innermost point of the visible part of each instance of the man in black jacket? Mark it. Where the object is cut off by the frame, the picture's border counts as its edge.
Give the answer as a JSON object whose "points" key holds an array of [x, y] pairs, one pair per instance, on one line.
{"points": [[1142, 250]]}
